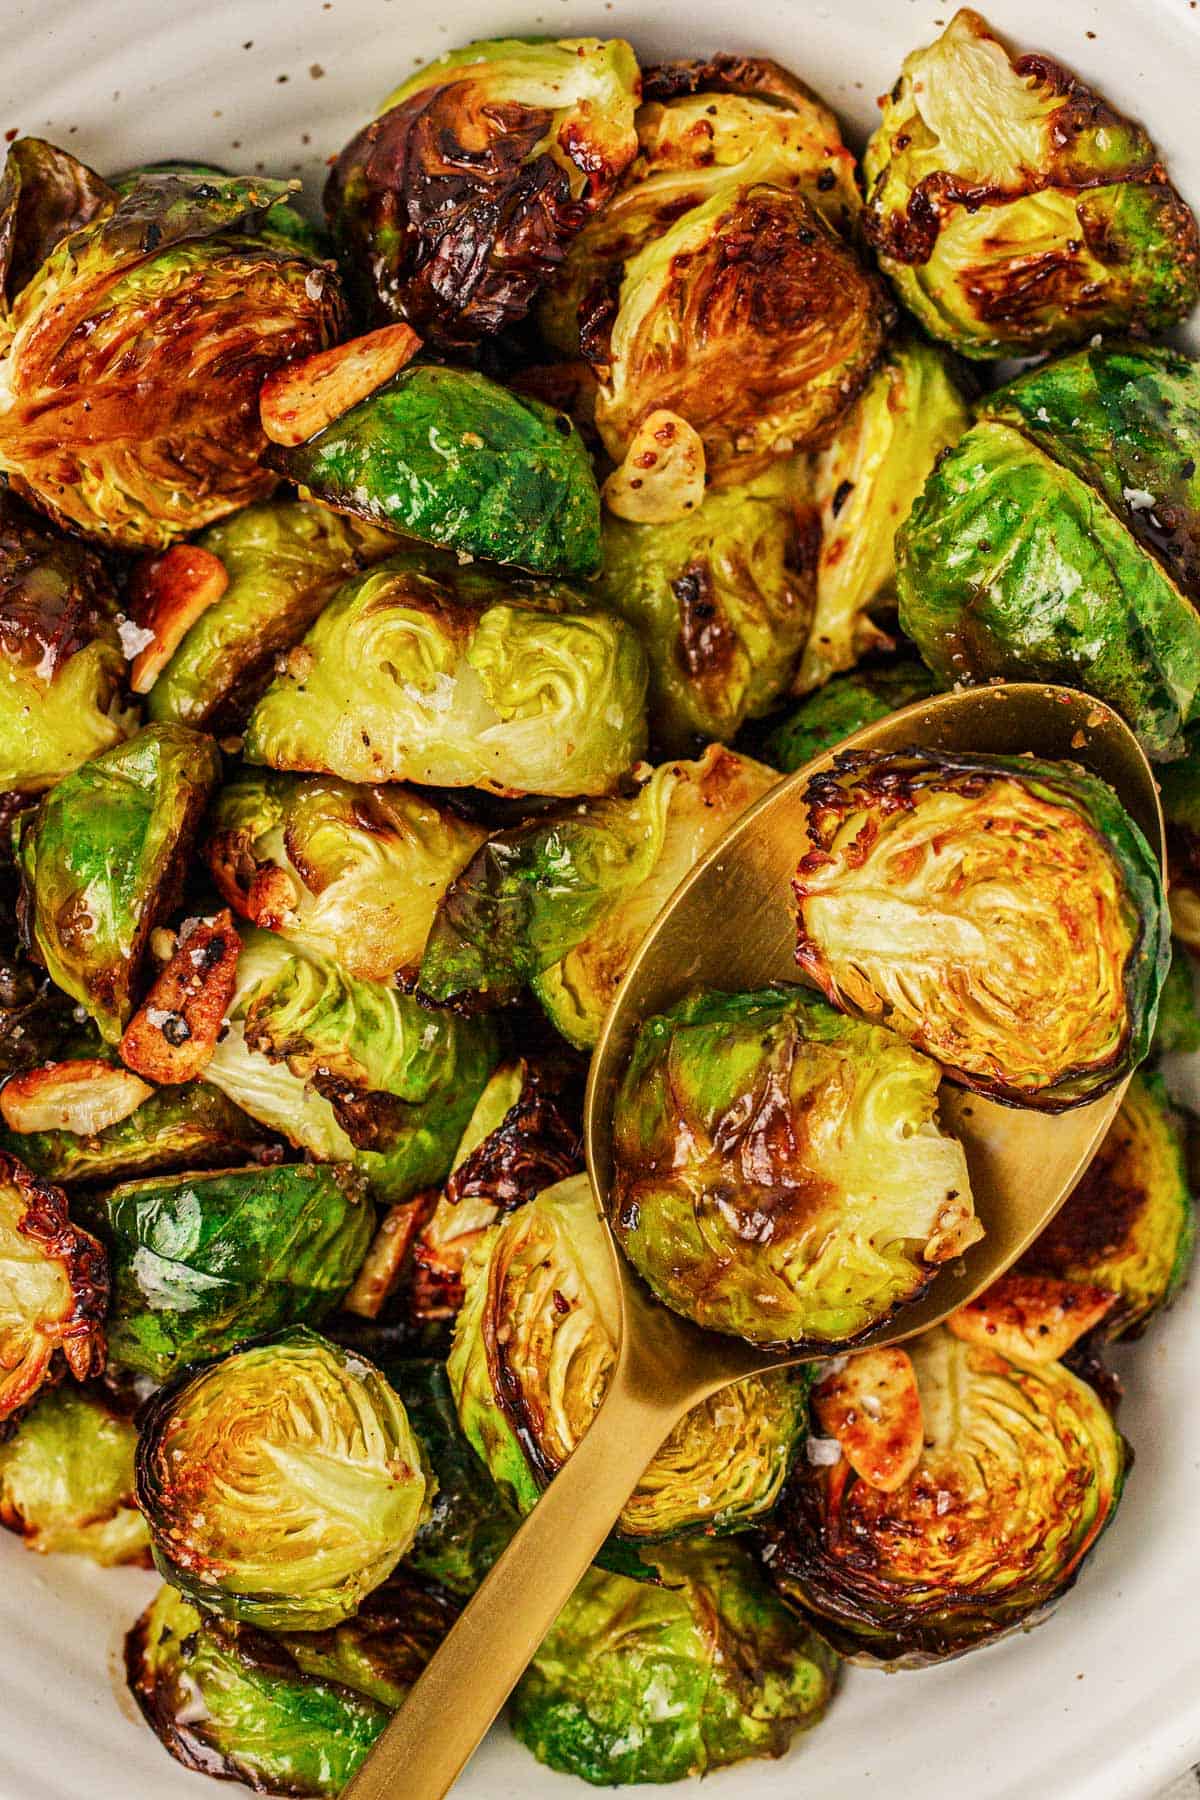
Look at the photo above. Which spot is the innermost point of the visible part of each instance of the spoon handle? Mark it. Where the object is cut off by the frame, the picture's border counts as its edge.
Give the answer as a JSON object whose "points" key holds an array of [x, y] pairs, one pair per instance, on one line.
{"points": [[423, 1750]]}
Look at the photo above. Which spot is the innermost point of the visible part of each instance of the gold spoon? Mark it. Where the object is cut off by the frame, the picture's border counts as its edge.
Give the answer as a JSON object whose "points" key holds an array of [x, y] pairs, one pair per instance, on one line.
{"points": [[729, 925]]}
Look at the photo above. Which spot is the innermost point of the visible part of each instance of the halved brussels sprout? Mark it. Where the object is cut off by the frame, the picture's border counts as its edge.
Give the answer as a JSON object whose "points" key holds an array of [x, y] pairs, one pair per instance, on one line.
{"points": [[844, 705], [1014, 209], [1004, 915], [281, 1484], [103, 860], [201, 1263], [723, 599], [524, 1135], [1130, 1224], [451, 458], [564, 901], [865, 483], [353, 871], [284, 559], [286, 1714], [189, 1127], [471, 1521], [62, 674], [423, 671], [1058, 540], [1021, 1471], [457, 202], [351, 1071], [704, 127], [751, 319], [66, 1478], [135, 341], [639, 1683], [53, 1288], [779, 1171], [534, 1347]]}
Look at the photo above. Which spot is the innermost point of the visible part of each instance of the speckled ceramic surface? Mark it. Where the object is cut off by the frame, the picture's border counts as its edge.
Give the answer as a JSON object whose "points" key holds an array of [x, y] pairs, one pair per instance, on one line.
{"points": [[1101, 1703]]}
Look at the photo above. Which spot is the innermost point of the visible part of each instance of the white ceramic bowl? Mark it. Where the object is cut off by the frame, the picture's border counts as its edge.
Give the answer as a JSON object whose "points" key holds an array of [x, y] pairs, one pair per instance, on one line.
{"points": [[1103, 1701]]}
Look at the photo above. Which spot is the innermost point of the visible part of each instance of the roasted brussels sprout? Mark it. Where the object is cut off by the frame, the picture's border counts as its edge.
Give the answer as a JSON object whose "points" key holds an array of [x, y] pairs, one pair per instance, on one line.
{"points": [[471, 1521], [284, 559], [281, 1484], [723, 599], [1020, 1472], [1130, 1225], [352, 871], [62, 673], [422, 671], [864, 485], [202, 1263], [457, 202], [135, 336], [845, 705], [1179, 788], [779, 1171], [351, 1071], [1057, 541], [524, 1135], [1014, 209], [451, 458], [189, 1127], [66, 1478], [564, 901], [1027, 904], [53, 1288], [286, 1714], [534, 1347], [638, 1683], [103, 860], [282, 222]]}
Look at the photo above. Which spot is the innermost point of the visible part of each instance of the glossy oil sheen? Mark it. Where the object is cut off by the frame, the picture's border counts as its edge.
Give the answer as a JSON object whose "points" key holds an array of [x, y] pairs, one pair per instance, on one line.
{"points": [[1102, 1703]]}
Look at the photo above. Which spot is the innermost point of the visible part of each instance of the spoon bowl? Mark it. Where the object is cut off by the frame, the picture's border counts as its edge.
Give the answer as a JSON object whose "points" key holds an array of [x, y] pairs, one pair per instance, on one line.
{"points": [[730, 925]]}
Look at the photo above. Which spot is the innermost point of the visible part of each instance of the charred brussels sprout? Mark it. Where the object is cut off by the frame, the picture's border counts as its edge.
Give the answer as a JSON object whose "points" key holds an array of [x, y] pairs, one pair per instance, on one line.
{"points": [[201, 1263], [534, 1347], [355, 872], [66, 1478], [1130, 1224], [135, 336], [845, 705], [471, 1521], [188, 1127], [864, 485], [282, 1484], [282, 223], [286, 1713], [284, 560], [455, 460], [53, 1288], [421, 671], [723, 599], [1014, 209], [643, 1684], [351, 1071], [779, 1171], [457, 202], [1004, 915], [564, 901], [62, 674], [103, 860], [715, 284], [1058, 540], [1020, 1472]]}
